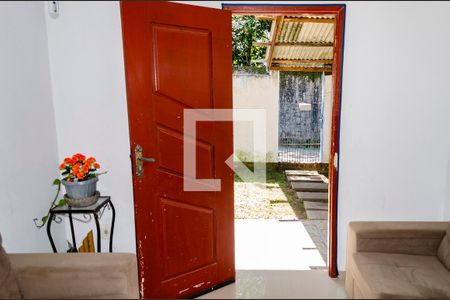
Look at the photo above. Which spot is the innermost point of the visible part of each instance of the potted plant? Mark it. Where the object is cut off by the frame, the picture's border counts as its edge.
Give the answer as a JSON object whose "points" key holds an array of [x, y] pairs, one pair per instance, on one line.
{"points": [[80, 179]]}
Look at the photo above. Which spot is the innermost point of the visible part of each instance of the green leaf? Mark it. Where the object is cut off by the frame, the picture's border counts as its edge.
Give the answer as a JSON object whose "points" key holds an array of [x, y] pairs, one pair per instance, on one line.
{"points": [[65, 172], [62, 202], [44, 219], [56, 182]]}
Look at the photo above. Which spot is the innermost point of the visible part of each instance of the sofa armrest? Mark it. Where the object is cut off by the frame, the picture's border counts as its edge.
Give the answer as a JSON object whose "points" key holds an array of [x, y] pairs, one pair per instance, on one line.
{"points": [[76, 275], [416, 238]]}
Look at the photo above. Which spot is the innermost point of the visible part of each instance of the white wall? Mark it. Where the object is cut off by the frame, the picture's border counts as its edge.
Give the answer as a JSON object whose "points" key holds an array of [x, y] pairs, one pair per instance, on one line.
{"points": [[447, 193], [395, 127], [28, 147], [395, 143], [86, 59], [260, 92]]}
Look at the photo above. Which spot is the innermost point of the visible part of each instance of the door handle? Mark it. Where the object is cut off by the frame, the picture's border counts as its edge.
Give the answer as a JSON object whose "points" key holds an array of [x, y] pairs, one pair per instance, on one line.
{"points": [[147, 159], [139, 160]]}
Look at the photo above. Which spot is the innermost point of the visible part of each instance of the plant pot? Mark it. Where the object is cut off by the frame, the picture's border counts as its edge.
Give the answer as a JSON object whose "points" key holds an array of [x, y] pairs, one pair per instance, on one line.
{"points": [[81, 189], [84, 202]]}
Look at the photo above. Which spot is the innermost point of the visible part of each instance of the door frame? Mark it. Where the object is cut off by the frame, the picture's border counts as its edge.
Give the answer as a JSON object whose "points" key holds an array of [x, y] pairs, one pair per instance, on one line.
{"points": [[338, 10]]}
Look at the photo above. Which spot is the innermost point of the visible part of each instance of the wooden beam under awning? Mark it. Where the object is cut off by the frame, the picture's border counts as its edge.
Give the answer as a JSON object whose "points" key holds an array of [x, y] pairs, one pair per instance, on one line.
{"points": [[269, 18], [308, 44], [300, 69], [309, 20], [275, 34], [295, 61], [300, 19], [287, 61]]}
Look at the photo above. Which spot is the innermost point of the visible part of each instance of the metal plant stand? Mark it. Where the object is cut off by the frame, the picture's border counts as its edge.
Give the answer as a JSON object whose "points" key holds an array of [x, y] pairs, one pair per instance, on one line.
{"points": [[96, 210]]}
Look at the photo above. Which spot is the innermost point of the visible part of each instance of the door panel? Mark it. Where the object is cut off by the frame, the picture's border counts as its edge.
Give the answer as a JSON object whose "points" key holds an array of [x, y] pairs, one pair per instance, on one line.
{"points": [[187, 47], [177, 57]]}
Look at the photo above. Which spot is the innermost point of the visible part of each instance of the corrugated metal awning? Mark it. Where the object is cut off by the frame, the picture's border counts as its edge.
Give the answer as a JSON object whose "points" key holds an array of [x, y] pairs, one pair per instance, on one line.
{"points": [[300, 43]]}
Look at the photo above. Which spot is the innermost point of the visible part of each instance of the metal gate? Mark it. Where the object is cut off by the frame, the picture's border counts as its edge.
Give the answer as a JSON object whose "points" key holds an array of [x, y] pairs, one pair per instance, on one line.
{"points": [[295, 150]]}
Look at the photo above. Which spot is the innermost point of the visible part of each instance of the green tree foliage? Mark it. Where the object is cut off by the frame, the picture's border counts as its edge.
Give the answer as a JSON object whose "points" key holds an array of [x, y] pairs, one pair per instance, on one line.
{"points": [[246, 30]]}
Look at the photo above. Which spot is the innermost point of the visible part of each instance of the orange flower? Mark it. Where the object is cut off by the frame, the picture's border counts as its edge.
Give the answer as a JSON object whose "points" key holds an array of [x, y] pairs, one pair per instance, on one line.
{"points": [[97, 165], [80, 156], [62, 166], [67, 160], [80, 175], [91, 160], [85, 168], [76, 169]]}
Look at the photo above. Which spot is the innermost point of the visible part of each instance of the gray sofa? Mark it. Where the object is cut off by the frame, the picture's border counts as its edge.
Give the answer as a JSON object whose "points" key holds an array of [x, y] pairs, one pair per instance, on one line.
{"points": [[388, 260], [68, 275]]}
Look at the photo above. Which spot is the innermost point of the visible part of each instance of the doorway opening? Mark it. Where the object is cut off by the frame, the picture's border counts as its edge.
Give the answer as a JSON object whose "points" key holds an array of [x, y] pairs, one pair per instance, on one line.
{"points": [[287, 59], [177, 63]]}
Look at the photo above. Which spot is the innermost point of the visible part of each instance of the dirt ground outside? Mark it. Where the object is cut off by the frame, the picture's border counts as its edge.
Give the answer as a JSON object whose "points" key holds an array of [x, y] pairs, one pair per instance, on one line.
{"points": [[271, 200]]}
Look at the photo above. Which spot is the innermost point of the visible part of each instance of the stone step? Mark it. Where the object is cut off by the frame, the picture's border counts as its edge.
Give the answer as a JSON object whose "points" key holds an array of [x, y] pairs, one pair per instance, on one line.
{"points": [[301, 172], [311, 205], [313, 196], [310, 186], [312, 178], [317, 214]]}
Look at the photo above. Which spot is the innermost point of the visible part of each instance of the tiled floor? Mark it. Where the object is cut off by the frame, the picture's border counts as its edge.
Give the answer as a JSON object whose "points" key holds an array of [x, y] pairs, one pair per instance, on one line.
{"points": [[280, 245], [279, 259], [276, 284]]}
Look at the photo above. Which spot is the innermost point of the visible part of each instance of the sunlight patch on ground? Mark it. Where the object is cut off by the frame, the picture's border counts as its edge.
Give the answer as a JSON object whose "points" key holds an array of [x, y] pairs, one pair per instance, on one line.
{"points": [[275, 245], [275, 201]]}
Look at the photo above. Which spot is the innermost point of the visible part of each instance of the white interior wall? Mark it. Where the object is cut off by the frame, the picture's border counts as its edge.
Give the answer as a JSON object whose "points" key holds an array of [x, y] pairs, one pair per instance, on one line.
{"points": [[259, 92], [395, 143], [395, 106], [447, 193], [28, 145], [86, 63]]}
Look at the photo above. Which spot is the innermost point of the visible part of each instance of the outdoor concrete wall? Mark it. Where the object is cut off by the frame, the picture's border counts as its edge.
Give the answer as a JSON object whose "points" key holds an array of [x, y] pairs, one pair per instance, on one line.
{"points": [[28, 149], [327, 118], [296, 88], [395, 143], [262, 92]]}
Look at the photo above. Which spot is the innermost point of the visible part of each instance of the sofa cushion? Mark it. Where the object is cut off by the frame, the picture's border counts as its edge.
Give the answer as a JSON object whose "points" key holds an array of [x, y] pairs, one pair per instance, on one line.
{"points": [[384, 275], [9, 289], [444, 250]]}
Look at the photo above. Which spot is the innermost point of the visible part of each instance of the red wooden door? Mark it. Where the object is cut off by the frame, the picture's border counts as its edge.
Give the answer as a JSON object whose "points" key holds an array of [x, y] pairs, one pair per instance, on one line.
{"points": [[178, 57]]}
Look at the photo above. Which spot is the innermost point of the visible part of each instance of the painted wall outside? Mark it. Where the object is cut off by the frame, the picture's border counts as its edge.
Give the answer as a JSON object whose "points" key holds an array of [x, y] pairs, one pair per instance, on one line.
{"points": [[298, 88], [279, 93], [262, 92], [393, 111], [27, 129], [327, 118]]}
